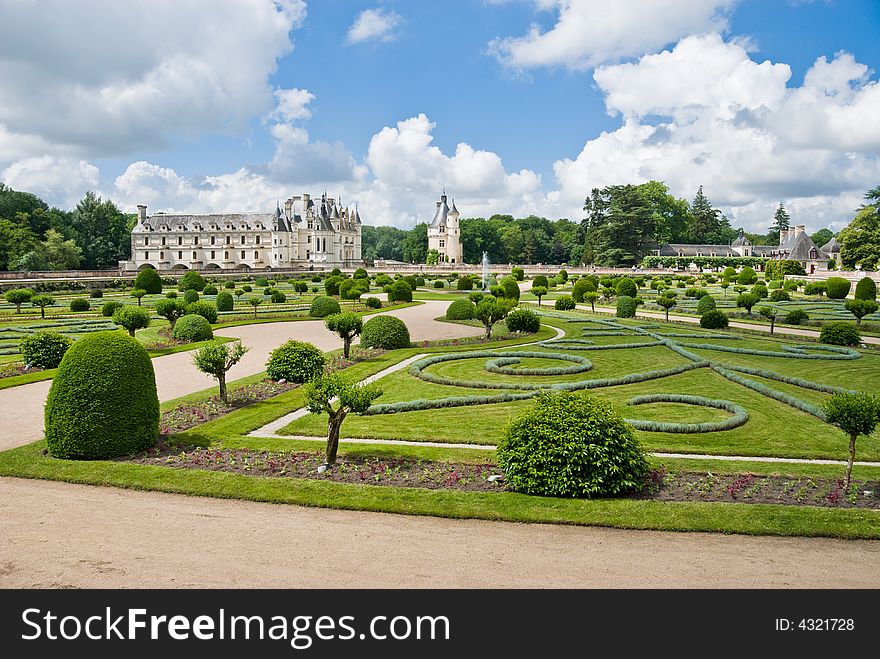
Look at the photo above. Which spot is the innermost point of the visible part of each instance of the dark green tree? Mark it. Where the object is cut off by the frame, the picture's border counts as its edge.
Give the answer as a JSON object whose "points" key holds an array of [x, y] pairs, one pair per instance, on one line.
{"points": [[102, 231], [781, 221]]}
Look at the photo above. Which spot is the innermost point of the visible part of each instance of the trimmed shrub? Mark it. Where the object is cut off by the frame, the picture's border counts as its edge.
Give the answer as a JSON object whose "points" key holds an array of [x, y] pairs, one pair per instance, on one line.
{"points": [[581, 287], [148, 280], [80, 304], [540, 280], [840, 334], [103, 401], [571, 445], [791, 285], [522, 320], [465, 284], [400, 291], [626, 307], [373, 303], [626, 286], [511, 288], [866, 289], [706, 303], [837, 288], [383, 280], [204, 309], [295, 361], [192, 281], [225, 301], [350, 289], [229, 284], [760, 290], [278, 297], [261, 281], [190, 296], [171, 295], [729, 273], [780, 295], [192, 327], [564, 303], [796, 317], [210, 289], [110, 307], [132, 318], [332, 284], [714, 319], [323, 306], [96, 294], [460, 310], [247, 288], [773, 285], [518, 273], [438, 283], [385, 332], [44, 349], [360, 273], [814, 288], [747, 276]]}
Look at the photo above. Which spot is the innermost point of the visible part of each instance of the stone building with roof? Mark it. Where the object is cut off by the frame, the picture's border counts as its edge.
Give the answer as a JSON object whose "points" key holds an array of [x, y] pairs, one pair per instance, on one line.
{"points": [[307, 233], [444, 233]]}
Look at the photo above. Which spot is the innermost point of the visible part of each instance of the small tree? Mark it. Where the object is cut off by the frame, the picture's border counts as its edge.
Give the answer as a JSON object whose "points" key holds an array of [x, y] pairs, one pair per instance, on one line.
{"points": [[770, 314], [255, 301], [18, 296], [592, 297], [171, 309], [42, 301], [132, 318], [539, 292], [490, 313], [855, 414], [337, 396], [216, 359], [724, 286], [138, 294], [667, 303], [860, 308], [347, 326], [747, 301]]}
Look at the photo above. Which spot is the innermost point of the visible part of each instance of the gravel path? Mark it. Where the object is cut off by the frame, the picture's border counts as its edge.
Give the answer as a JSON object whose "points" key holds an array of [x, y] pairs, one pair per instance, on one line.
{"points": [[93, 537]]}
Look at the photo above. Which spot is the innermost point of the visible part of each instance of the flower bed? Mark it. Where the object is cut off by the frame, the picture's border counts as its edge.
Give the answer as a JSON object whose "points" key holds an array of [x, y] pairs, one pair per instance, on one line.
{"points": [[17, 368]]}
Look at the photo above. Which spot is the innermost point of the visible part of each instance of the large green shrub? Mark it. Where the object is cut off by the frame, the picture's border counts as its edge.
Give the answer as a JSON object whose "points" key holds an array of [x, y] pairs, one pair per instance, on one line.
{"points": [[814, 288], [192, 281], [204, 309], [465, 283], [225, 301], [747, 276], [324, 306], [837, 288], [295, 361], [460, 310], [518, 273], [522, 320], [564, 303], [866, 289], [840, 334], [780, 295], [210, 289], [581, 287], [80, 304], [190, 296], [540, 280], [760, 290], [796, 317], [626, 286], [706, 303], [571, 445], [332, 284], [103, 401], [132, 318], [399, 291], [278, 297], [351, 289], [261, 281], [714, 319], [373, 303], [192, 327], [511, 288], [626, 307], [96, 293], [385, 332], [439, 283], [44, 349], [148, 280], [110, 307]]}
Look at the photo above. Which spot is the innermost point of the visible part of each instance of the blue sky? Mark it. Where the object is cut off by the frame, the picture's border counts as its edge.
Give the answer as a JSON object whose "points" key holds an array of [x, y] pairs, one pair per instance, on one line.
{"points": [[517, 106]]}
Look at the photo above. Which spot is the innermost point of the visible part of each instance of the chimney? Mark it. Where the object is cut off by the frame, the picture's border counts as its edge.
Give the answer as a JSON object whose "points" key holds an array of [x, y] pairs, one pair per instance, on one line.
{"points": [[783, 236], [306, 198], [799, 229], [288, 207], [438, 204], [142, 213]]}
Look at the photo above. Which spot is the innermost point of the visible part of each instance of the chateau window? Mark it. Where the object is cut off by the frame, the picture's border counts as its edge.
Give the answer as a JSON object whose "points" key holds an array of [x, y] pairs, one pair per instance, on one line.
{"points": [[161, 256], [228, 240], [258, 240], [179, 256], [212, 254], [442, 243], [242, 240], [229, 227], [195, 240], [146, 240], [213, 227], [256, 255], [180, 240], [163, 240], [212, 240], [146, 255], [226, 255], [680, 253], [242, 255], [714, 254], [194, 256], [814, 254]]}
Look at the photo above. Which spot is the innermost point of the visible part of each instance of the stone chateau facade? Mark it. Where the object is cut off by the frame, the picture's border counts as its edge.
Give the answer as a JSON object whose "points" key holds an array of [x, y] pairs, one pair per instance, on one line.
{"points": [[444, 233], [307, 233]]}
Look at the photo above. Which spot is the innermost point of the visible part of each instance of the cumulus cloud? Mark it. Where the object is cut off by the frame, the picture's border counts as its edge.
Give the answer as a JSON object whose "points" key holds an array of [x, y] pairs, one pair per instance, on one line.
{"points": [[374, 25], [589, 32], [59, 181]]}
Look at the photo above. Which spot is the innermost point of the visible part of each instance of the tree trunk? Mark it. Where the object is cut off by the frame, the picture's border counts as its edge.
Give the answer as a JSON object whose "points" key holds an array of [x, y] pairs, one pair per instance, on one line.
{"points": [[18, 307], [849, 464], [139, 301], [488, 331], [255, 312], [221, 378], [667, 315], [593, 306], [333, 426], [772, 325], [42, 312], [131, 333], [346, 345], [539, 301]]}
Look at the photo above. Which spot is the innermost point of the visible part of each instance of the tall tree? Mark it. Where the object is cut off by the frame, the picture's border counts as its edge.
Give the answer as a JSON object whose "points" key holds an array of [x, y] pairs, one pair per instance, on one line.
{"points": [[15, 242], [781, 221], [102, 232], [860, 241], [382, 243], [670, 214], [620, 225], [415, 244], [822, 236], [706, 225]]}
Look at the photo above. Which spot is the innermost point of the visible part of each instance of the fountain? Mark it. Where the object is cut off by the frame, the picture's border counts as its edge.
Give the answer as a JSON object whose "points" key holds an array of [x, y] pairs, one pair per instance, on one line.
{"points": [[485, 272]]}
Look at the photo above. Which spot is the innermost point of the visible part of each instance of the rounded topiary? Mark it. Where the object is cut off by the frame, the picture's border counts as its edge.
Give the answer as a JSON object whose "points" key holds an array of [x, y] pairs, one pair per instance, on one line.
{"points": [[465, 284], [540, 280], [385, 332], [350, 289], [796, 317], [210, 289], [780, 295], [582, 287], [705, 303], [518, 273], [760, 290], [148, 280], [190, 296], [110, 307], [323, 306], [837, 288], [814, 288], [192, 327], [192, 281], [626, 306], [571, 445], [373, 303], [866, 289], [460, 310], [96, 294], [261, 281], [204, 309], [747, 276], [399, 291], [278, 297], [439, 283], [564, 303], [44, 349], [714, 319], [80, 304], [840, 334], [229, 284], [626, 286], [103, 401], [522, 320], [510, 287], [225, 301], [295, 361], [171, 295]]}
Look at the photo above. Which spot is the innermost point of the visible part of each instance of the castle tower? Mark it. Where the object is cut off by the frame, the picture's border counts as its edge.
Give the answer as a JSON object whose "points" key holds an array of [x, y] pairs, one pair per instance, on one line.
{"points": [[444, 233]]}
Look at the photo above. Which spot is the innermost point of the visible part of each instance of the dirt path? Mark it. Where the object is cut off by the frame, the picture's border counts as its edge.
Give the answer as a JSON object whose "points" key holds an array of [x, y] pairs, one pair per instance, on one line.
{"points": [[21, 408], [93, 537]]}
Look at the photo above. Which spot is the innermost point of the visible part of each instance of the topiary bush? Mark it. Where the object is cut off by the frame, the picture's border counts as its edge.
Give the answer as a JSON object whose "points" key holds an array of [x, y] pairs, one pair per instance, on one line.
{"points": [[204, 309], [190, 296], [465, 284], [132, 318], [110, 307], [80, 304], [192, 281], [96, 294], [278, 297], [796, 317], [399, 291], [747, 276], [626, 307], [103, 401], [714, 319], [706, 303], [540, 280], [626, 286], [522, 320], [840, 334], [581, 288], [44, 349], [814, 288], [148, 280], [295, 361], [385, 332], [373, 303], [571, 445], [192, 327], [225, 301], [210, 289], [511, 288], [460, 310], [837, 288], [261, 281], [438, 283], [564, 303], [866, 289], [518, 273], [323, 306], [780, 295], [760, 290]]}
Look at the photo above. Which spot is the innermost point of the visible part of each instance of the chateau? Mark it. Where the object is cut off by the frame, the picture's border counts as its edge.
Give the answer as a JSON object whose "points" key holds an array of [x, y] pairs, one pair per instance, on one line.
{"points": [[306, 233], [444, 234]]}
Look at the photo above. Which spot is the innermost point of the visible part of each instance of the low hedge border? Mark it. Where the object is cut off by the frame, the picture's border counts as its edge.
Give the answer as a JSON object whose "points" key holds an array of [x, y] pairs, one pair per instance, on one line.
{"points": [[787, 351], [739, 418], [770, 392], [502, 365]]}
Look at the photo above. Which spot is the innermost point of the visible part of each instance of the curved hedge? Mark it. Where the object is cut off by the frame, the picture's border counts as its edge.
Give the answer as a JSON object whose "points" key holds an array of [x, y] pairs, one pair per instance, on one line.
{"points": [[295, 361], [192, 327], [385, 332], [323, 306], [739, 418], [103, 401]]}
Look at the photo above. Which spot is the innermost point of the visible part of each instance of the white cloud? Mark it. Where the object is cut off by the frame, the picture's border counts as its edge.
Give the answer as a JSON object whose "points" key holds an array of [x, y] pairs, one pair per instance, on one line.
{"points": [[374, 25], [58, 181], [589, 32], [292, 105]]}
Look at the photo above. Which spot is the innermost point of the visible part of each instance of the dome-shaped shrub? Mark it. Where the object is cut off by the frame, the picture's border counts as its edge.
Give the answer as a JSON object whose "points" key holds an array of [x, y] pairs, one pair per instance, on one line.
{"points": [[295, 361], [204, 309], [714, 319], [323, 306], [210, 289], [278, 297], [385, 332], [780, 295], [44, 349], [626, 286], [840, 334], [465, 283], [80, 304], [103, 402], [796, 317], [705, 303], [110, 307], [192, 281], [460, 310], [564, 303], [522, 320], [373, 303], [540, 280], [148, 280], [866, 289], [225, 301], [439, 283], [510, 287], [837, 288], [399, 291], [261, 281], [192, 327], [96, 293], [571, 445], [190, 296], [626, 306], [581, 287]]}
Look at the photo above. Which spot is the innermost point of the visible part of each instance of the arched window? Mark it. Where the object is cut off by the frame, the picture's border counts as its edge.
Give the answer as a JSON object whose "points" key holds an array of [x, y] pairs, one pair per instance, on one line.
{"points": [[226, 255], [256, 255], [194, 256]]}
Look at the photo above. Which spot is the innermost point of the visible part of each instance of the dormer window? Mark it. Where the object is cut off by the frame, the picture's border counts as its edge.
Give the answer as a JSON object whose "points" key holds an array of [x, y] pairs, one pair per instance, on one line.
{"points": [[814, 254], [180, 227], [229, 227]]}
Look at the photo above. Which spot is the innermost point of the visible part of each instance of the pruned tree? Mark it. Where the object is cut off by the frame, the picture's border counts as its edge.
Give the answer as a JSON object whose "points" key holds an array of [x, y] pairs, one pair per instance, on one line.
{"points": [[255, 301], [592, 297], [18, 297], [171, 309], [539, 292], [856, 414], [770, 314], [138, 294], [489, 313], [860, 308], [667, 302], [216, 359], [347, 326], [42, 301]]}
